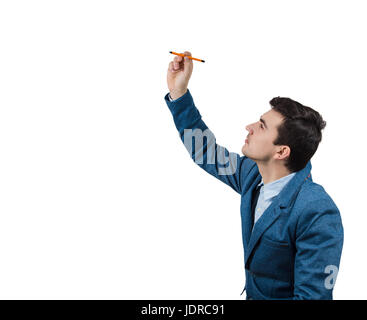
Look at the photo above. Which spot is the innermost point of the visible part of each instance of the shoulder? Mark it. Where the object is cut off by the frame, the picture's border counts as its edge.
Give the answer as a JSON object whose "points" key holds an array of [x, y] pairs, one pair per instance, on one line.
{"points": [[314, 206], [312, 194]]}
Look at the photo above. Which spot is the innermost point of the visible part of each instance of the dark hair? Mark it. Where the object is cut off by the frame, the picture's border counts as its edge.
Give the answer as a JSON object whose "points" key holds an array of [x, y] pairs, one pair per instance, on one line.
{"points": [[300, 130]]}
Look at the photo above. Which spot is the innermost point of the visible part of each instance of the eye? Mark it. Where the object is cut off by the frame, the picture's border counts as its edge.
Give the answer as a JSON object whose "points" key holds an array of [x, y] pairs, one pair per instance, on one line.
{"points": [[261, 126]]}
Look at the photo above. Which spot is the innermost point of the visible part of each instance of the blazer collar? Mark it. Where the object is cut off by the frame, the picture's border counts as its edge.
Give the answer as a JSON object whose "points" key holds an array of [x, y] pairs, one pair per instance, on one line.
{"points": [[272, 189], [290, 191]]}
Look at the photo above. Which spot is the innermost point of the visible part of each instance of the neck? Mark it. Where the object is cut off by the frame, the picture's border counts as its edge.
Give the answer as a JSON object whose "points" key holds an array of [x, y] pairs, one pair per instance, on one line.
{"points": [[271, 171]]}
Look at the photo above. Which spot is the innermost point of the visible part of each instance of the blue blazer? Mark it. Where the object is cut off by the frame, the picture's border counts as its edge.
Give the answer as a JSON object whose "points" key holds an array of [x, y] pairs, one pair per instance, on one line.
{"points": [[294, 249]]}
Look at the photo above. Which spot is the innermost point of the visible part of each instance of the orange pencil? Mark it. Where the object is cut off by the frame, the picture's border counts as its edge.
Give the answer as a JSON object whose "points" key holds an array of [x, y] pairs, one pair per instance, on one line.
{"points": [[182, 55]]}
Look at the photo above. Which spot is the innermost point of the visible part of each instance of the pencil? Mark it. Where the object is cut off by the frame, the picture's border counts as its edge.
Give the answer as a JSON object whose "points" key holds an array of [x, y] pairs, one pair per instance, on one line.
{"points": [[182, 55]]}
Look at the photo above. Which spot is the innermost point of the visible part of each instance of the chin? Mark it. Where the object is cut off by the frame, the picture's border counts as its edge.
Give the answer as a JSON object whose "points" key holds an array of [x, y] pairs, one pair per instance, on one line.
{"points": [[246, 153]]}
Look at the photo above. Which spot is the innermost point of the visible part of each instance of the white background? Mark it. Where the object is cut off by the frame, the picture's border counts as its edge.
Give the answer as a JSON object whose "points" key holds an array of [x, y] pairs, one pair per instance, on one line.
{"points": [[99, 198]]}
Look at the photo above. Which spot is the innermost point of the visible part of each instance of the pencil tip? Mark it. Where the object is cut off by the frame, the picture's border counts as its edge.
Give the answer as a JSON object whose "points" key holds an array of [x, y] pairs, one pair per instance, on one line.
{"points": [[170, 52], [203, 60]]}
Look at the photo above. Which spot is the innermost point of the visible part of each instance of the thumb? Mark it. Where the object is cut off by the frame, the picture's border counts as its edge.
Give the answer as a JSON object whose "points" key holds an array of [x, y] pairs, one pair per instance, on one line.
{"points": [[188, 64]]}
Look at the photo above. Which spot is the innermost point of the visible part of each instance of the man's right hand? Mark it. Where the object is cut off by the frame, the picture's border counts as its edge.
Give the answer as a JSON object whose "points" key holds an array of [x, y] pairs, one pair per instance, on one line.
{"points": [[178, 75]]}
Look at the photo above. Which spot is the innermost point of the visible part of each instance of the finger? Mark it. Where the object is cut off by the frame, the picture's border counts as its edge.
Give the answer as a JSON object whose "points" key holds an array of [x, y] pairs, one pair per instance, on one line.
{"points": [[187, 60], [177, 58], [178, 62], [171, 67], [177, 65]]}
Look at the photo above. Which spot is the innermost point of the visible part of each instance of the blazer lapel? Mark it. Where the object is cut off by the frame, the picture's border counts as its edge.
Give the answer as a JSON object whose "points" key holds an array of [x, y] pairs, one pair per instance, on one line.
{"points": [[283, 200]]}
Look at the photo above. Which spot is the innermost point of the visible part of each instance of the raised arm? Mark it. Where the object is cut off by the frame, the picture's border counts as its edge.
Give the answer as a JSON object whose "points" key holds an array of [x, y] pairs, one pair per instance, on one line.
{"points": [[200, 142]]}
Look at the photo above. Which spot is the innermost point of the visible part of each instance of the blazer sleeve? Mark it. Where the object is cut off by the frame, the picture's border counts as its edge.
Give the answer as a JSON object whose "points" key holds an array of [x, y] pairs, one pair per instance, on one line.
{"points": [[200, 142], [319, 242]]}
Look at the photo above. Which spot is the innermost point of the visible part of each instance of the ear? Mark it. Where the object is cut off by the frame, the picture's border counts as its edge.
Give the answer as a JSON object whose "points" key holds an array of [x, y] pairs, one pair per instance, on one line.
{"points": [[283, 153]]}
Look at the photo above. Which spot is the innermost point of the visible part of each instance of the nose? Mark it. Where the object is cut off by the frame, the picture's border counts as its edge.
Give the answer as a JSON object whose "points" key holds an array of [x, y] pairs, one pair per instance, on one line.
{"points": [[249, 129]]}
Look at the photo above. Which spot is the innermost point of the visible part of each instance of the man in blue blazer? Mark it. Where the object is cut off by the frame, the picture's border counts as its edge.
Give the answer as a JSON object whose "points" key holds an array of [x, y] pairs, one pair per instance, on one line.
{"points": [[291, 229]]}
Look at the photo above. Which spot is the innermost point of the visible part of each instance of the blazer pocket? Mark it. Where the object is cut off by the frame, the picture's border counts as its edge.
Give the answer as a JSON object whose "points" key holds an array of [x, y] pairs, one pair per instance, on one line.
{"points": [[272, 259], [275, 243]]}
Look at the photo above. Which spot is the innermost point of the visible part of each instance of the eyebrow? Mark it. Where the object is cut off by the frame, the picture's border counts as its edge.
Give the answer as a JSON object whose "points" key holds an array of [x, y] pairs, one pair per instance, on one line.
{"points": [[263, 121]]}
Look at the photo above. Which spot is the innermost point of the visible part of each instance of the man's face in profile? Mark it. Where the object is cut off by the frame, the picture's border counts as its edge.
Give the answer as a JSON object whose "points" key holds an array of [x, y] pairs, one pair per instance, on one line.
{"points": [[261, 135]]}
